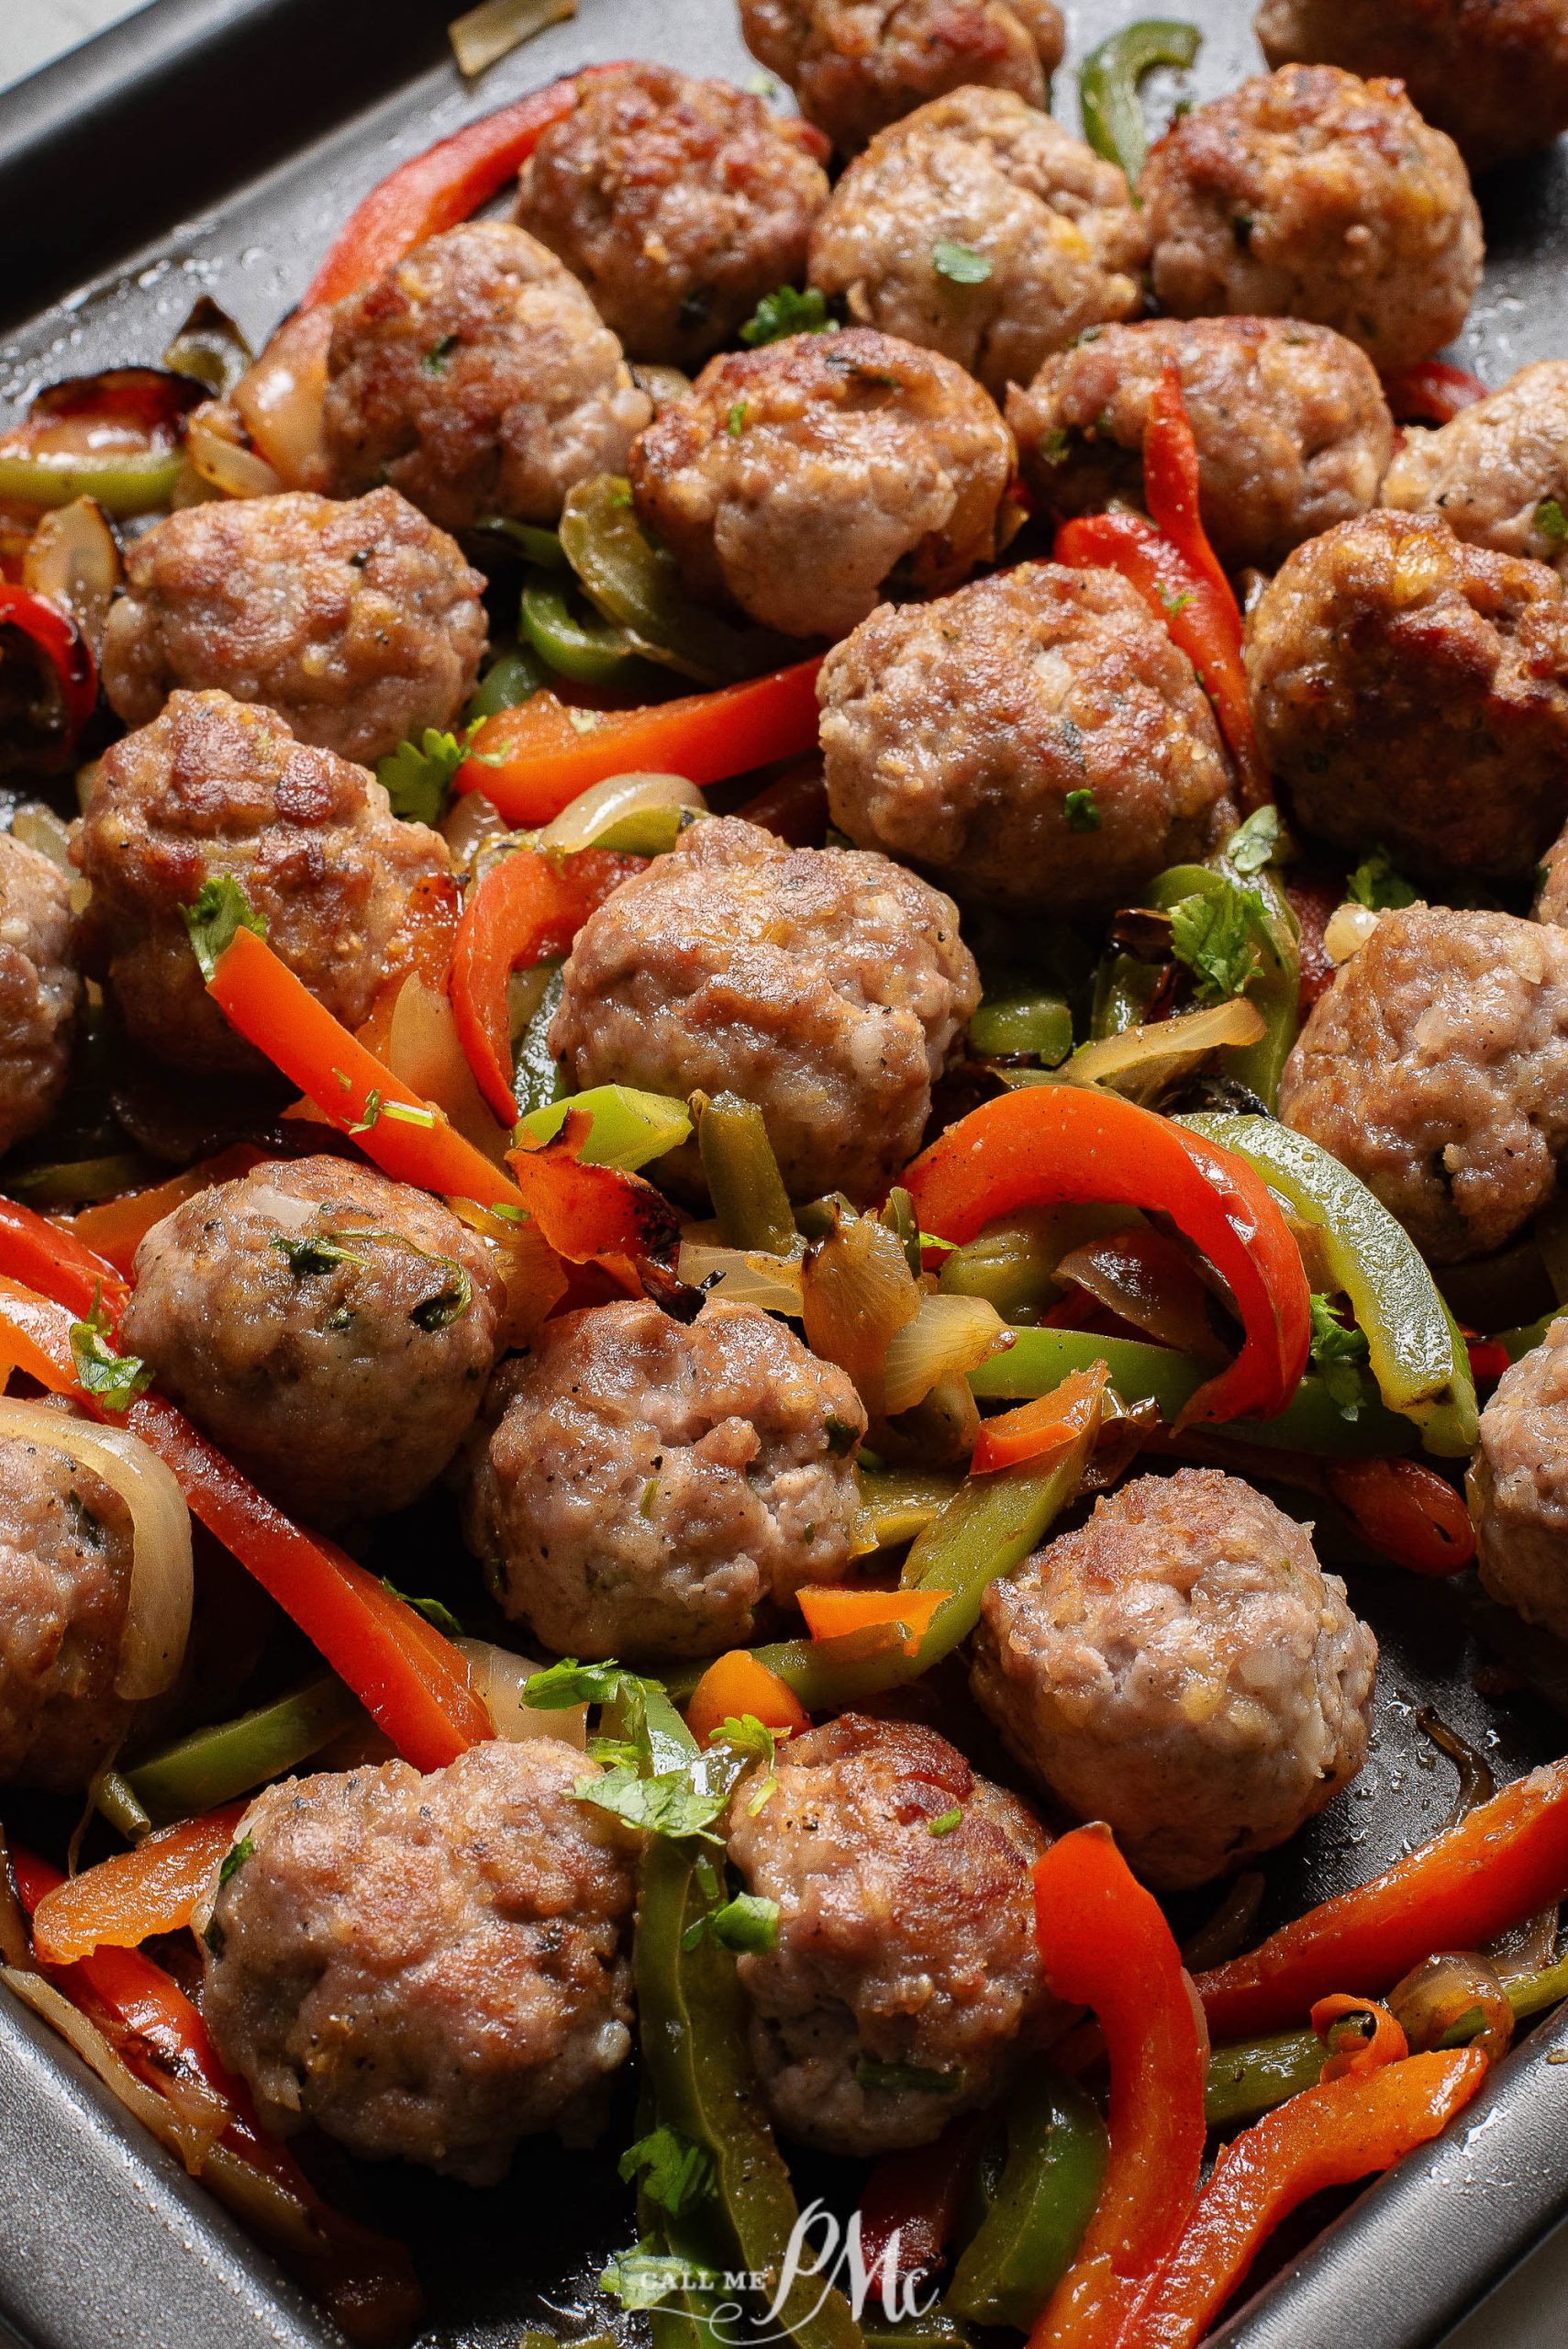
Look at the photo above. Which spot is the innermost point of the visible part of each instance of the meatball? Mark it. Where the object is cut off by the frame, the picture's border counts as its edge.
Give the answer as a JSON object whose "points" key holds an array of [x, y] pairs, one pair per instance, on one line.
{"points": [[796, 478], [1309, 194], [1035, 742], [1436, 1068], [1182, 1667], [825, 985], [358, 623], [1061, 244], [65, 1560], [654, 1489], [1492, 73], [332, 1331], [1499, 473], [899, 1951], [1519, 1485], [857, 65], [427, 1966], [40, 990], [1412, 691], [1293, 431], [477, 378], [678, 203], [218, 787]]}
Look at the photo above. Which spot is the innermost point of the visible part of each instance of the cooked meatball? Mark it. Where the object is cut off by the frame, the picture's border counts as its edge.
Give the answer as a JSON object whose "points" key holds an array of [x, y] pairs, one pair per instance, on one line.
{"points": [[796, 479], [1293, 431], [219, 786], [1309, 194], [332, 1331], [1519, 1485], [1492, 73], [1499, 473], [899, 1951], [358, 623], [1412, 691], [654, 1489], [857, 65], [65, 1557], [427, 1966], [1551, 883], [1182, 1667], [477, 378], [1035, 742], [825, 985], [678, 203], [40, 989], [1436, 1068], [1061, 244]]}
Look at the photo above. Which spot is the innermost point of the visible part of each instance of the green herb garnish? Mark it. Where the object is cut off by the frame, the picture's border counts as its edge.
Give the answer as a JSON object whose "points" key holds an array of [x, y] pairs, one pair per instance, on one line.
{"points": [[219, 908]]}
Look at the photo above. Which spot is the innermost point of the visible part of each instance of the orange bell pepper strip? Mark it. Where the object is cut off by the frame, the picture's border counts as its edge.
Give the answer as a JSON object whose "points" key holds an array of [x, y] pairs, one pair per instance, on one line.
{"points": [[530, 904], [1036, 1430], [590, 1213], [126, 1900], [534, 760], [1172, 480], [1368, 2050], [412, 1681], [40, 1254], [115, 1229], [1324, 2136], [1406, 1510], [1104, 1944], [737, 1684], [1506, 1859], [1432, 392], [830, 1611], [1061, 1144]]}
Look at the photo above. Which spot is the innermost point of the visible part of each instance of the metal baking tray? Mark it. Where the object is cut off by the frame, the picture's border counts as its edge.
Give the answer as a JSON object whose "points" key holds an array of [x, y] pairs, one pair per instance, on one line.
{"points": [[213, 146]]}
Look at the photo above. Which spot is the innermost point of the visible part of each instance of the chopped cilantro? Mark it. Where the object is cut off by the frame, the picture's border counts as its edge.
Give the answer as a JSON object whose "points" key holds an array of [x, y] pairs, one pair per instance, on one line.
{"points": [[432, 1609], [750, 1922], [735, 423], [219, 908], [1082, 811], [670, 1802], [842, 1435], [1339, 1354], [962, 265], [1055, 446], [114, 1379], [1374, 883], [1252, 845], [1216, 937], [438, 359], [873, 2074], [1551, 521], [1174, 605], [417, 776], [753, 1739], [788, 311], [673, 2171], [642, 2277], [568, 1683], [315, 1253], [235, 1858], [948, 1821], [450, 1302]]}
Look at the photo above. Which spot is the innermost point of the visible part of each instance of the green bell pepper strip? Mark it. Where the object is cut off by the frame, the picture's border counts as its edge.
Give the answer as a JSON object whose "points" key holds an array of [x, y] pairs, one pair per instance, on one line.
{"points": [[1516, 1343], [133, 482], [1038, 1360], [215, 1765], [1125, 989], [540, 547], [112, 1799], [1108, 82], [512, 678], [743, 1179], [591, 652], [635, 586], [899, 1504], [536, 1071], [1274, 986], [1034, 1020], [628, 1128], [77, 1183], [1416, 1354], [1050, 2184]]}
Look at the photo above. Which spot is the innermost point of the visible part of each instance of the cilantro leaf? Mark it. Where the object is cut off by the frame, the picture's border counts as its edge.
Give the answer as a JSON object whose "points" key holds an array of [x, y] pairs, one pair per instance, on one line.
{"points": [[674, 2171], [1551, 521], [752, 1738], [313, 1254], [1214, 936], [962, 265], [788, 311], [1252, 845], [748, 1922], [1082, 811], [640, 2278], [219, 908], [433, 1609], [235, 1858], [417, 776], [1338, 1352], [1374, 883], [449, 1304], [948, 1821], [670, 1802], [114, 1378], [569, 1682], [735, 424], [873, 2074]]}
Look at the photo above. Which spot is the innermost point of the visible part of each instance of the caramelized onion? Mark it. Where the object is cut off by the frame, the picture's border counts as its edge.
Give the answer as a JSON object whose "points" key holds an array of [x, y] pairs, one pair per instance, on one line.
{"points": [[499, 1678], [422, 1047], [604, 804], [1454, 1987], [857, 1290], [1141, 1275], [746, 1275], [73, 557], [224, 464], [946, 1337], [1347, 930], [1141, 1058], [282, 398]]}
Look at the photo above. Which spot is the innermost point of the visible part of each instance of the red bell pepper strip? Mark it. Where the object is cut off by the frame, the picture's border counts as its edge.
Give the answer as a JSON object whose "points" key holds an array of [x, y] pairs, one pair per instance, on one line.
{"points": [[436, 190], [1105, 1944], [1431, 393], [592, 1214], [408, 1678], [1506, 1859], [65, 650], [1324, 2136], [1057, 1146], [1369, 2051], [916, 2197], [530, 905], [534, 760], [1406, 1510], [1170, 491], [127, 1898], [42, 1255]]}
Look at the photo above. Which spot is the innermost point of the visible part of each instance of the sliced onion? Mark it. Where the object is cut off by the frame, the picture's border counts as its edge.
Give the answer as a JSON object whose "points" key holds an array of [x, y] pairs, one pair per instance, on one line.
{"points": [[38, 826], [472, 823], [1447, 1989], [73, 559], [1141, 1275], [948, 1337], [499, 1679], [495, 28], [1347, 930], [604, 804], [192, 2139], [1164, 1044], [423, 1049], [157, 1605], [282, 398], [223, 465], [746, 1275], [856, 1291]]}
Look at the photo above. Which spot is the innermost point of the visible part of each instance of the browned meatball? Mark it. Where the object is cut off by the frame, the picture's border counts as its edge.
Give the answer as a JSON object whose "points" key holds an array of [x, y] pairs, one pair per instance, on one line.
{"points": [[798, 479], [430, 1967], [654, 1489], [678, 203], [333, 1331], [1182, 1667], [359, 623], [857, 65], [477, 378], [40, 989], [65, 1558], [1492, 73], [899, 1951], [1061, 246], [1293, 431], [1414, 691], [1436, 1068], [218, 787], [1035, 742], [1499, 473], [1519, 1485], [1308, 194], [825, 985]]}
